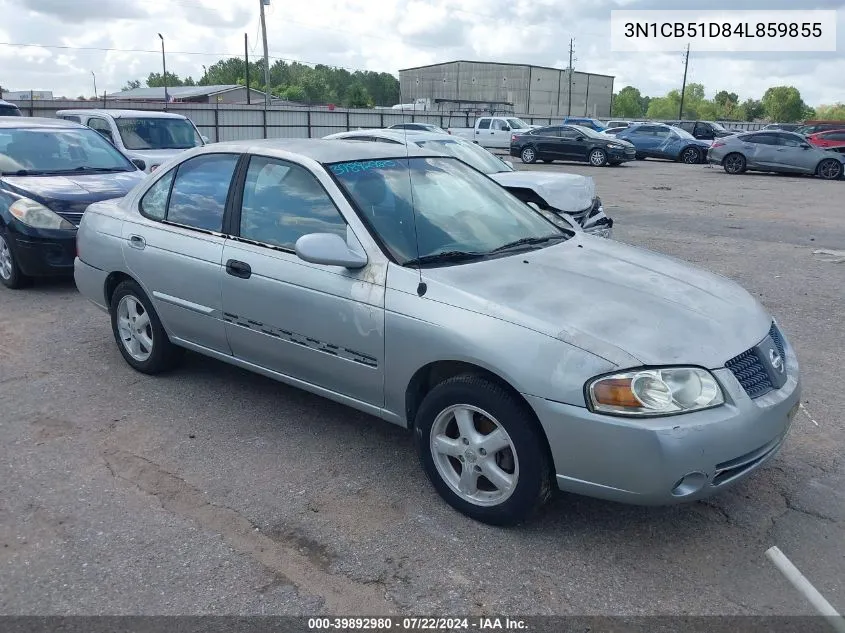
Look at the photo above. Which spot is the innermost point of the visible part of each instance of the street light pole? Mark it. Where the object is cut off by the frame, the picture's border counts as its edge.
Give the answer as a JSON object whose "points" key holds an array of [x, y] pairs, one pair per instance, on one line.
{"points": [[164, 69], [95, 83]]}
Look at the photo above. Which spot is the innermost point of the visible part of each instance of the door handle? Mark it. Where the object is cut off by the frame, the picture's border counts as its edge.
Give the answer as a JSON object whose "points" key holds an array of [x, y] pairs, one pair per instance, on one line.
{"points": [[136, 241], [238, 269]]}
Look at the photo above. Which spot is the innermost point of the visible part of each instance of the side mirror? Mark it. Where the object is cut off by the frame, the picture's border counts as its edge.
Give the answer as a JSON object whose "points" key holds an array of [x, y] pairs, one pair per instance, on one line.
{"points": [[506, 129], [328, 249], [139, 164]]}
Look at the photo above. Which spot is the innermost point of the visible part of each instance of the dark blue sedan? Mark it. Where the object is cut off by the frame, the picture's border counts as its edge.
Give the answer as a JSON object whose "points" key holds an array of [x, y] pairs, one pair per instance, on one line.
{"points": [[50, 171], [655, 140]]}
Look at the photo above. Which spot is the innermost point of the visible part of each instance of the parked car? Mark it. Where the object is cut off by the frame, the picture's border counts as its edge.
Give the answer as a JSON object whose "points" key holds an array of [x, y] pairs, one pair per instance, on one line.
{"points": [[813, 127], [593, 124], [786, 127], [571, 143], [150, 137], [421, 127], [829, 139], [520, 354], [9, 109], [50, 171], [615, 124], [571, 195], [786, 152], [492, 131], [613, 131], [656, 140], [703, 130]]}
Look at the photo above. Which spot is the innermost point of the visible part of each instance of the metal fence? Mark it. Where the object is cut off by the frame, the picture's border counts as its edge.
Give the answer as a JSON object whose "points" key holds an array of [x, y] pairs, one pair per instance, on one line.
{"points": [[223, 122]]}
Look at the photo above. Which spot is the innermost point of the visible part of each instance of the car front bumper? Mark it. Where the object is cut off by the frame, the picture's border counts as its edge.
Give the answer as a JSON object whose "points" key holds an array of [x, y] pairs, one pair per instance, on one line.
{"points": [[663, 461], [42, 252], [621, 155]]}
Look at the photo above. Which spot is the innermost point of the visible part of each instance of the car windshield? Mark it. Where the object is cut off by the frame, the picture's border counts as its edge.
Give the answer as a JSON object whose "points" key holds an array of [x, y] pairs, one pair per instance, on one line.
{"points": [[472, 154], [518, 124], [425, 207], [45, 151], [157, 133]]}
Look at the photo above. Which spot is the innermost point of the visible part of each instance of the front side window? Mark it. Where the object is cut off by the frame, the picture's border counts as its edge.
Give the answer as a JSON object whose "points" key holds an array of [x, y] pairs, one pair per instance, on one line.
{"points": [[518, 124], [101, 126], [284, 201], [198, 197], [788, 140], [423, 207], [500, 125], [157, 133], [42, 151]]}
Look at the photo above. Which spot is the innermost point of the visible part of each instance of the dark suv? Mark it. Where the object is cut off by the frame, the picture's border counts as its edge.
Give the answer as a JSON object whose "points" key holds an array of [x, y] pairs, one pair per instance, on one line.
{"points": [[9, 109], [703, 130]]}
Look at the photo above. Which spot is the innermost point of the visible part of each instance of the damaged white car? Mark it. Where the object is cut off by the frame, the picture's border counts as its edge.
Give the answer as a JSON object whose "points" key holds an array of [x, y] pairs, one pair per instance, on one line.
{"points": [[553, 193]]}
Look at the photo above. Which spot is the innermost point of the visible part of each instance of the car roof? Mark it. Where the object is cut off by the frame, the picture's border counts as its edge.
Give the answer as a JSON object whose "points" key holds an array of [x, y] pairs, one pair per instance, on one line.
{"points": [[117, 114], [396, 135], [37, 122], [320, 150]]}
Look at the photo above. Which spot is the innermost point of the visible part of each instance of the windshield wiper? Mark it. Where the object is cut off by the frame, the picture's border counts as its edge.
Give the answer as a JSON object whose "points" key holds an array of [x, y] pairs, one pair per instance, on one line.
{"points": [[92, 170], [445, 257], [527, 241], [25, 172]]}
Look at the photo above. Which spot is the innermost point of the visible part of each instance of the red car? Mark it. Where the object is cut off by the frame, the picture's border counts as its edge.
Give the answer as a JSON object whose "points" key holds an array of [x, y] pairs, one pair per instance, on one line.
{"points": [[829, 138]]}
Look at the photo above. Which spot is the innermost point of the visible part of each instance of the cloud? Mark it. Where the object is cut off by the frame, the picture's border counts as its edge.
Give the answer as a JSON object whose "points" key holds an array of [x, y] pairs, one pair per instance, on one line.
{"points": [[383, 37]]}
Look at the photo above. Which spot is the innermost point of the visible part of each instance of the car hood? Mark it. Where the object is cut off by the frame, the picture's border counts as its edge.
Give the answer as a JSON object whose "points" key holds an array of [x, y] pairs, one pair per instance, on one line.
{"points": [[73, 193], [570, 193], [154, 156], [627, 305]]}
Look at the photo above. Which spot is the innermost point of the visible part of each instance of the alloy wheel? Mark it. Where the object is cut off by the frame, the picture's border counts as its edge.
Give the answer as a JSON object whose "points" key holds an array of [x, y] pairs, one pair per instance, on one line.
{"points": [[5, 259], [597, 158], [474, 455], [734, 164], [528, 155], [691, 156], [135, 328], [829, 170]]}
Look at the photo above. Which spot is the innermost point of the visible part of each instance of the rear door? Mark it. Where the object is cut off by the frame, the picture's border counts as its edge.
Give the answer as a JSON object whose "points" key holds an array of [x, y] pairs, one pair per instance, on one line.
{"points": [[548, 143], [761, 150], [322, 325], [483, 131], [175, 249]]}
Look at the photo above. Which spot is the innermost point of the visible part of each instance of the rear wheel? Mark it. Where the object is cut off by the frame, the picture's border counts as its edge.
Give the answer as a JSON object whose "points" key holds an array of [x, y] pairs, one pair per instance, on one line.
{"points": [[598, 158], [482, 450], [138, 331], [10, 273], [734, 163], [691, 156], [528, 155], [830, 169]]}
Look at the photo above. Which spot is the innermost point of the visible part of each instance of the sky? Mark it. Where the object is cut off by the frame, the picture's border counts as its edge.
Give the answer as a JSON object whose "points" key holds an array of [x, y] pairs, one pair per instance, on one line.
{"points": [[384, 36]]}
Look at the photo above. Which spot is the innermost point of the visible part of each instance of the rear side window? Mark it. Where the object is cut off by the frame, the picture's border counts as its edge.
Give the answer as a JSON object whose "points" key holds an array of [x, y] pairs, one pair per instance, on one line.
{"points": [[198, 196], [154, 202], [763, 139], [72, 117], [484, 124]]}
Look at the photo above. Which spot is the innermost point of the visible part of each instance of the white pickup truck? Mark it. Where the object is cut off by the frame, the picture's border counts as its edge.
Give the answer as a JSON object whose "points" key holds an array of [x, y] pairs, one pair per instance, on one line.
{"points": [[492, 131]]}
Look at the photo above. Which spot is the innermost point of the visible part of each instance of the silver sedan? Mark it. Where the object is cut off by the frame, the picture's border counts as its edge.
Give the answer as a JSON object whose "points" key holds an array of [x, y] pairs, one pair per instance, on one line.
{"points": [[775, 151], [522, 355]]}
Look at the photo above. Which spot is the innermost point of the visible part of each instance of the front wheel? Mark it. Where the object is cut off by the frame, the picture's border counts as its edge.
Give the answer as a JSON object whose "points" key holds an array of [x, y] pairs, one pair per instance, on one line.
{"points": [[482, 450], [734, 164], [830, 169], [138, 331], [598, 158], [528, 155], [10, 273], [691, 156]]}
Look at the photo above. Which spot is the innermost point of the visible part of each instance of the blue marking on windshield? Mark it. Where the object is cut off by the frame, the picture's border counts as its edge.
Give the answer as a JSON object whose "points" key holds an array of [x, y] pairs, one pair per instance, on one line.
{"points": [[340, 169]]}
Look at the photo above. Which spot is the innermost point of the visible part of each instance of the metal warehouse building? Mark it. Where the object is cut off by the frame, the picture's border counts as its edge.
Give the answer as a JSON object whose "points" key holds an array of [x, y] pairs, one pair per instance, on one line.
{"points": [[533, 90]]}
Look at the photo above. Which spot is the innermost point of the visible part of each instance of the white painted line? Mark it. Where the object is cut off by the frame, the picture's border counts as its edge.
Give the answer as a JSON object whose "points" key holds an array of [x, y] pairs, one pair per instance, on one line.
{"points": [[794, 576], [807, 413]]}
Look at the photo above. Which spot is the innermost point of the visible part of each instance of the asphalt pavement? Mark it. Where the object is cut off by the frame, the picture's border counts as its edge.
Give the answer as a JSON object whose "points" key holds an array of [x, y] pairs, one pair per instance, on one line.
{"points": [[212, 490]]}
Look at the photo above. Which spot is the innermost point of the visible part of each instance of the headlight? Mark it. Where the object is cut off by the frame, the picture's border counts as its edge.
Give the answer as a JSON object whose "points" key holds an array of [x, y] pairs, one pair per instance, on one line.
{"points": [[38, 216], [615, 146], [655, 392]]}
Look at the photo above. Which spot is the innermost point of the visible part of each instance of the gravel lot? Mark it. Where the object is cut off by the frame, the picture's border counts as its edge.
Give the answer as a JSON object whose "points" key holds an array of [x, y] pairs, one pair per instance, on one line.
{"points": [[213, 490]]}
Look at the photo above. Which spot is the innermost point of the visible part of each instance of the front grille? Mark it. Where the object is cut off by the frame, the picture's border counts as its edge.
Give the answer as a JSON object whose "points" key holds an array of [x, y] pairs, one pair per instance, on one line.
{"points": [[750, 371]]}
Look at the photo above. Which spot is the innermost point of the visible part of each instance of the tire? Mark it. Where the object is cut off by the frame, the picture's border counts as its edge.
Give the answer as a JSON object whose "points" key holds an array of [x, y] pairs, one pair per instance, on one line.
{"points": [[10, 273], [734, 164], [522, 458], [691, 156], [830, 169], [138, 332], [597, 157], [528, 155]]}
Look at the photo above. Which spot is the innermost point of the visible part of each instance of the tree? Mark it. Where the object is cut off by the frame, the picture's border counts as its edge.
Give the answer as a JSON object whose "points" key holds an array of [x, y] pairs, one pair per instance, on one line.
{"points": [[835, 112], [358, 97], [628, 103], [723, 97], [752, 110], [132, 84], [783, 104], [665, 107], [292, 93], [154, 80]]}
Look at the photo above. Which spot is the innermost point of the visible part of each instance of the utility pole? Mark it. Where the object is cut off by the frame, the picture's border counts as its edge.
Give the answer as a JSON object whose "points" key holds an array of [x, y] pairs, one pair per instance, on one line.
{"points": [[164, 72], [246, 60], [95, 83], [266, 54], [571, 49], [684, 86]]}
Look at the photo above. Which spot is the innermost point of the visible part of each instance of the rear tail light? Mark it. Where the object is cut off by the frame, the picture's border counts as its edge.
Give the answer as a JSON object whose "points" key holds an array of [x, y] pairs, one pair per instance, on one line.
{"points": [[717, 144]]}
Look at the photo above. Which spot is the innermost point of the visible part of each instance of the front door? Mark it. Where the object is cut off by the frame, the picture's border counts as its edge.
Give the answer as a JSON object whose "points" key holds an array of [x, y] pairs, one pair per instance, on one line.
{"points": [[176, 248], [501, 134], [572, 144], [323, 325]]}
